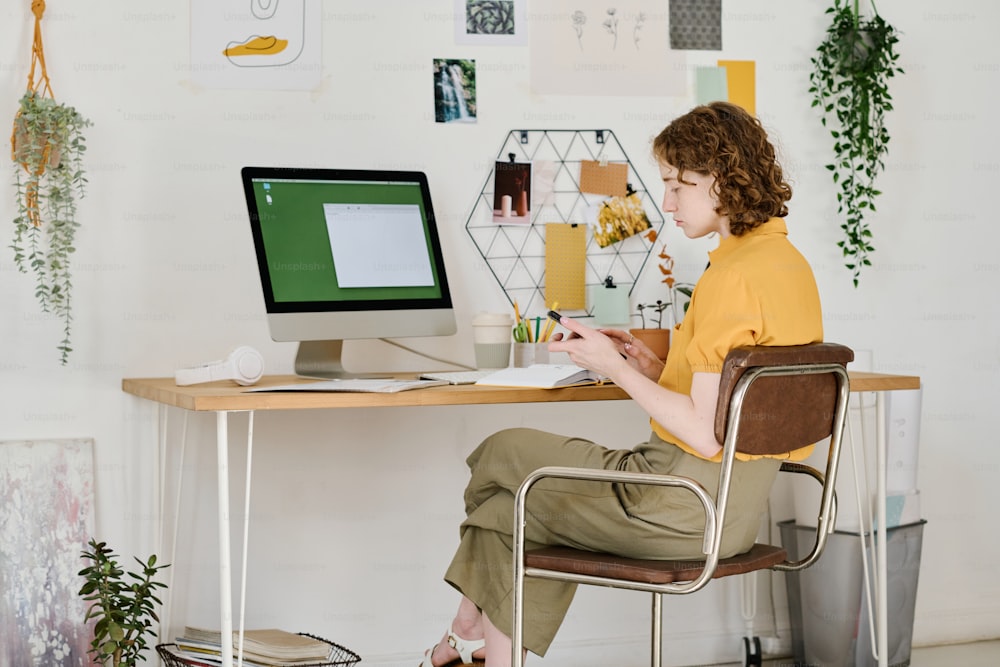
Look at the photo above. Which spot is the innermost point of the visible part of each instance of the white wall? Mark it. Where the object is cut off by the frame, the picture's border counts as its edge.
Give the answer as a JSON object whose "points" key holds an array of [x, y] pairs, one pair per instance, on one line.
{"points": [[355, 514]]}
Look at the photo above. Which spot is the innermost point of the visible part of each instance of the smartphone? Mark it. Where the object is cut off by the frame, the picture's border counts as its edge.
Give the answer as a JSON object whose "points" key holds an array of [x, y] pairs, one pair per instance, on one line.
{"points": [[554, 315]]}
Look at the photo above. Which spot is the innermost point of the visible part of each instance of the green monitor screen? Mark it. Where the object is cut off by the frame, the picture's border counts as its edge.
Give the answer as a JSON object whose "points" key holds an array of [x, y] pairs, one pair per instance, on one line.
{"points": [[346, 254]]}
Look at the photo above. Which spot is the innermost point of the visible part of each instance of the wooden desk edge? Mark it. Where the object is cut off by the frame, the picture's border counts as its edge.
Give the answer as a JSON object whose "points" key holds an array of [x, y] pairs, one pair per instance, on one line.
{"points": [[225, 395], [864, 381]]}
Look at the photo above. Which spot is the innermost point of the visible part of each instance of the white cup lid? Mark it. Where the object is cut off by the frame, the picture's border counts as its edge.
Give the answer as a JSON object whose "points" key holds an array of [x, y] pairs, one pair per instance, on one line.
{"points": [[492, 320]]}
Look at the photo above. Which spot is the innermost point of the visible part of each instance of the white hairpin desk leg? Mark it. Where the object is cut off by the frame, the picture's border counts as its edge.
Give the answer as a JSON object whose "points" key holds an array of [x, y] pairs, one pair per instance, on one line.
{"points": [[225, 592], [882, 536]]}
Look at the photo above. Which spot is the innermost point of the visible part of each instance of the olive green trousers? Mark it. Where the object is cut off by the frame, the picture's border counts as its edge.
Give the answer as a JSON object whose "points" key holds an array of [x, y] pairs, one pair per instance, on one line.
{"points": [[628, 520]]}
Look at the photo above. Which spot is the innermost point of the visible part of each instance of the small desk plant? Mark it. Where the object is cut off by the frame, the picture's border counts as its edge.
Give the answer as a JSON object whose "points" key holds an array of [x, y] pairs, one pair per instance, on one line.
{"points": [[124, 607], [653, 333]]}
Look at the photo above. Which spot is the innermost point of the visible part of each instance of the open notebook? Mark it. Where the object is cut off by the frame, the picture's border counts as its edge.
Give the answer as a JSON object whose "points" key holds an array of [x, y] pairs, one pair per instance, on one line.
{"points": [[541, 376]]}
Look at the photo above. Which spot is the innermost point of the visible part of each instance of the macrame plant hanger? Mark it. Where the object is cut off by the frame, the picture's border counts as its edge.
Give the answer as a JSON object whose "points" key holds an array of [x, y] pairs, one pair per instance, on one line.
{"points": [[19, 136]]}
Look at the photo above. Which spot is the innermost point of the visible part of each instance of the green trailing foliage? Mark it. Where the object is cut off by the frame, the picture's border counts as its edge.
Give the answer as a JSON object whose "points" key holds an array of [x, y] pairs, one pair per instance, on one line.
{"points": [[48, 147], [850, 84], [123, 604]]}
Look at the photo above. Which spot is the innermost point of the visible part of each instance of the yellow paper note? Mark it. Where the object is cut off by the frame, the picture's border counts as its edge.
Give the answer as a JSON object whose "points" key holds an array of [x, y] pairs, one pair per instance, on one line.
{"points": [[566, 265], [742, 84]]}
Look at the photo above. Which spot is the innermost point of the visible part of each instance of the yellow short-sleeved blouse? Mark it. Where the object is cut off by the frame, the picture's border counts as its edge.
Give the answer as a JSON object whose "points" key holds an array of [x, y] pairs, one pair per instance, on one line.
{"points": [[757, 290]]}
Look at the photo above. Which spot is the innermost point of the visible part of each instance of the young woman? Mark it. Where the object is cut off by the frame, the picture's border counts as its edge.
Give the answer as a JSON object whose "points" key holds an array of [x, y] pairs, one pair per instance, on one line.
{"points": [[720, 177]]}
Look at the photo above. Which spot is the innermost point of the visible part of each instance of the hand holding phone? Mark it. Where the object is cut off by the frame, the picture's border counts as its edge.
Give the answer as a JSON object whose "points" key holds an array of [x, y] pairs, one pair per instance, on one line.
{"points": [[556, 316]]}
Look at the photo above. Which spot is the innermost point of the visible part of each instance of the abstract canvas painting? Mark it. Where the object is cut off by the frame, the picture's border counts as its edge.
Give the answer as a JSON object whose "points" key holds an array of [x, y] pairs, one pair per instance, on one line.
{"points": [[46, 519]]}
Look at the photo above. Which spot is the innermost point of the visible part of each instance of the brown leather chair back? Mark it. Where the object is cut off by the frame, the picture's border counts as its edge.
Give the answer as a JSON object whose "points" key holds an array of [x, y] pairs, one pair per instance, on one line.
{"points": [[780, 413]]}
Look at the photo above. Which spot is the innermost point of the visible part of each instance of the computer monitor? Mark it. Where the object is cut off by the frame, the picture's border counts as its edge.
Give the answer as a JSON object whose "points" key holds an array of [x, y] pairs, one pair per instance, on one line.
{"points": [[346, 254]]}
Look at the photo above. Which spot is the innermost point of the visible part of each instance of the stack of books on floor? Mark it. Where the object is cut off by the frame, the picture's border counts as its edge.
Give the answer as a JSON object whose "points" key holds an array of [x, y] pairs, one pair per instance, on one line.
{"points": [[261, 648]]}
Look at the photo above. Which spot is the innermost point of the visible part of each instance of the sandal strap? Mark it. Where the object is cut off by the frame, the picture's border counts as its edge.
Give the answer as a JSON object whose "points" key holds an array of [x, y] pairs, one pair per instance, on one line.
{"points": [[465, 647], [426, 662]]}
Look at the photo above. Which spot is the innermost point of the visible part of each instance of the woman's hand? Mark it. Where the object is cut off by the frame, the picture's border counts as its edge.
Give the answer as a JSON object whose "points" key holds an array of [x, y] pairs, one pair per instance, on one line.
{"points": [[637, 352], [632, 366], [594, 349]]}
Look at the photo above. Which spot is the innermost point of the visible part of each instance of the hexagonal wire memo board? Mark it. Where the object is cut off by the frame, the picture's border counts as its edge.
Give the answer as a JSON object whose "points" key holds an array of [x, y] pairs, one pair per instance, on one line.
{"points": [[515, 253]]}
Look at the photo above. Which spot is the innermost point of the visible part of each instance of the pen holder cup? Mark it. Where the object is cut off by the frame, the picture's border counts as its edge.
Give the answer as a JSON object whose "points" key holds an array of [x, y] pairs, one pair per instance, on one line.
{"points": [[526, 354]]}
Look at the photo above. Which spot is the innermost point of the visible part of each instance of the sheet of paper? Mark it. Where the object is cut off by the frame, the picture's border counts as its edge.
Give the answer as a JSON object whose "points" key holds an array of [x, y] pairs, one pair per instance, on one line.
{"points": [[566, 265], [362, 385], [742, 84], [610, 178], [256, 46], [710, 85], [591, 47]]}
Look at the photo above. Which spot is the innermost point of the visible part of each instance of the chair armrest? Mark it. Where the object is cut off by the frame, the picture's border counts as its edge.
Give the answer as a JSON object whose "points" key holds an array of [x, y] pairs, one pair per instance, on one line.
{"points": [[710, 543]]}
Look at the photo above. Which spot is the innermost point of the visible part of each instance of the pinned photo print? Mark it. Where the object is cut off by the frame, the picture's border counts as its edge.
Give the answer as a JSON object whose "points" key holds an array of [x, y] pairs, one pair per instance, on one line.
{"points": [[491, 22], [620, 218], [454, 91], [512, 193], [489, 17]]}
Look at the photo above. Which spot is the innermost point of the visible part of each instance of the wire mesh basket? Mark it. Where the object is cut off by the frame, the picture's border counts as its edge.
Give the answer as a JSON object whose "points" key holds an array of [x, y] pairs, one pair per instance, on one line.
{"points": [[340, 656]]}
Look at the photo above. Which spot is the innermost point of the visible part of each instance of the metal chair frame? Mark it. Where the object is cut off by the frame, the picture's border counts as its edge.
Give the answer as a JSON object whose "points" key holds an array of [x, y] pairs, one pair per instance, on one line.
{"points": [[715, 509]]}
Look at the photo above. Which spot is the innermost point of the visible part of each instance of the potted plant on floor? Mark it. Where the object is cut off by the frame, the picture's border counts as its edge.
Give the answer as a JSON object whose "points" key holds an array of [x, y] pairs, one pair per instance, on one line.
{"points": [[850, 84], [123, 604]]}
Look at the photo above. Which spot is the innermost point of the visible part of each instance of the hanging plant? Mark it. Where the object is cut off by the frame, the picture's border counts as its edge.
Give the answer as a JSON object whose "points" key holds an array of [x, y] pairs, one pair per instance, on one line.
{"points": [[47, 147], [850, 85]]}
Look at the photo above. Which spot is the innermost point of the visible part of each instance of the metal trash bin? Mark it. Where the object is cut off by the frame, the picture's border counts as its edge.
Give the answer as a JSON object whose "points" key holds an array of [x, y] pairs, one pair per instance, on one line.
{"points": [[827, 606]]}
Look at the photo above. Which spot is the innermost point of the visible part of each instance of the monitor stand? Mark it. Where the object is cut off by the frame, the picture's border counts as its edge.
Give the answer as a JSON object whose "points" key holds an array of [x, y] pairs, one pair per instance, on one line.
{"points": [[322, 359]]}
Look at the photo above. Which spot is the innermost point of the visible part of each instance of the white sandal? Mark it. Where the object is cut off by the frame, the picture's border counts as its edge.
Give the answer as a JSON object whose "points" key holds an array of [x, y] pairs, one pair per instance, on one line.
{"points": [[465, 648]]}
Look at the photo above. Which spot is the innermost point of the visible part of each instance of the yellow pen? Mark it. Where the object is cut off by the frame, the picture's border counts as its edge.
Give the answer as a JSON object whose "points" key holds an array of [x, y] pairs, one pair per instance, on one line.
{"points": [[549, 325]]}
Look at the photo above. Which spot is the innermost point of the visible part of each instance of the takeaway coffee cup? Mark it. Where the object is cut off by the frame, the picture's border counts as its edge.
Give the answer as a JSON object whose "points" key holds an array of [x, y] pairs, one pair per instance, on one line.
{"points": [[491, 335]]}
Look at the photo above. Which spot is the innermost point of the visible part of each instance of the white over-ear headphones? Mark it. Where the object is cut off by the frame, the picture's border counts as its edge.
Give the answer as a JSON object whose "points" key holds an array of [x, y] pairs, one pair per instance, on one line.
{"points": [[244, 365]]}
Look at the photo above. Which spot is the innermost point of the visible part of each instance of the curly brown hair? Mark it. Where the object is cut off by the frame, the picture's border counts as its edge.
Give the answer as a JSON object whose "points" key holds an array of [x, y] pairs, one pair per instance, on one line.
{"points": [[721, 139]]}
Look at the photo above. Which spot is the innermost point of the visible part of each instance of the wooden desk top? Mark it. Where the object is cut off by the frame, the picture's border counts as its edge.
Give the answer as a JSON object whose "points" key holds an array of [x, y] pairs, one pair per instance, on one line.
{"points": [[226, 395]]}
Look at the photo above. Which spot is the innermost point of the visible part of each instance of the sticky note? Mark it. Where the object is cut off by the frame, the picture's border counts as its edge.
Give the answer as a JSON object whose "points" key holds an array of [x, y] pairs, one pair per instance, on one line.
{"points": [[741, 83]]}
